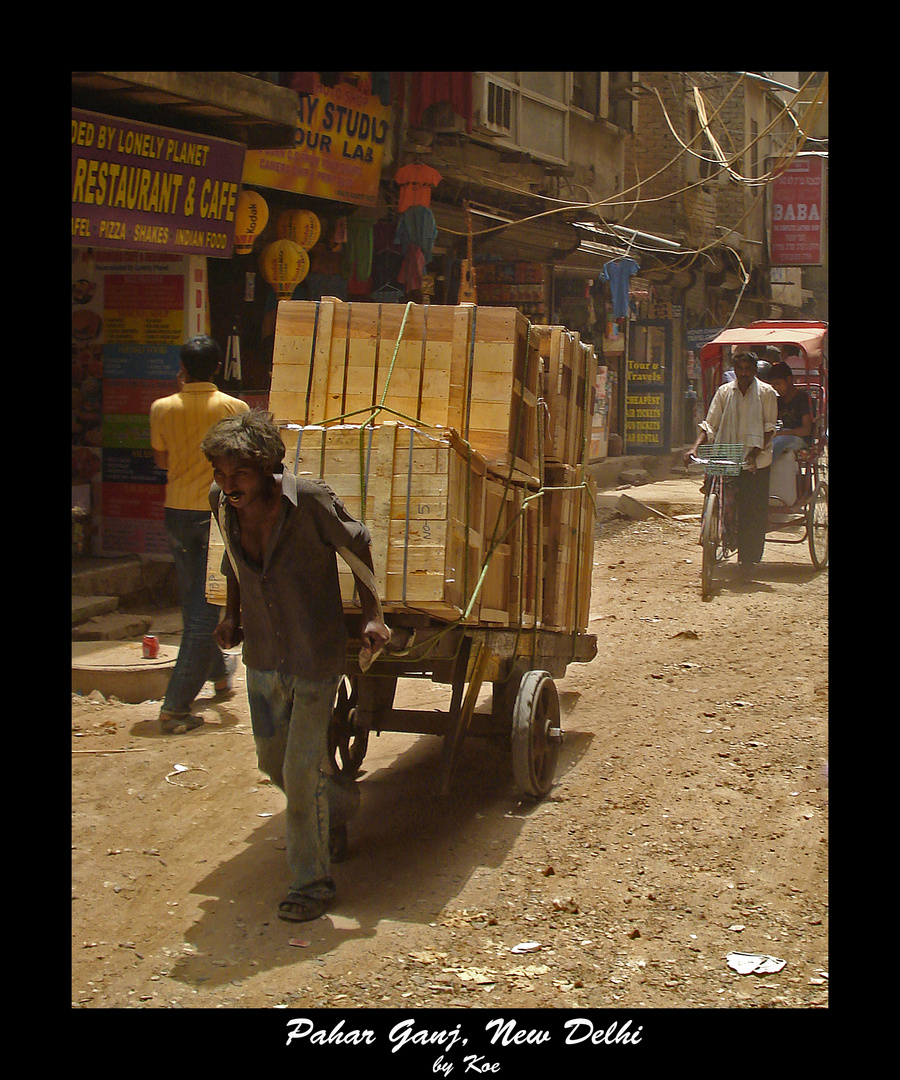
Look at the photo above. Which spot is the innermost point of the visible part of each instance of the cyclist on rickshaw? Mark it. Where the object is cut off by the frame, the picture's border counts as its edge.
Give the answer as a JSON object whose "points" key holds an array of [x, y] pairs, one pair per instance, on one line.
{"points": [[745, 411]]}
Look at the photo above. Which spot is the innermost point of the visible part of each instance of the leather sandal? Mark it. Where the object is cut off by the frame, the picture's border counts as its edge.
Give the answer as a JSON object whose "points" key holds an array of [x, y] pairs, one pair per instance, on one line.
{"points": [[178, 724], [299, 908]]}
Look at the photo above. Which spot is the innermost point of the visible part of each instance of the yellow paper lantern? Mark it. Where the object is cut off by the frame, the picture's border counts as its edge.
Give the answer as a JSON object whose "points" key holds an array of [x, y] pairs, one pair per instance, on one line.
{"points": [[284, 264], [249, 220], [301, 226]]}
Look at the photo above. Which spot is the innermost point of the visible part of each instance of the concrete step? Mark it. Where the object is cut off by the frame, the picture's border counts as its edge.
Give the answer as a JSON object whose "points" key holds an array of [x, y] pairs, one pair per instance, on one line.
{"points": [[675, 497], [88, 607], [115, 625], [134, 579], [106, 577]]}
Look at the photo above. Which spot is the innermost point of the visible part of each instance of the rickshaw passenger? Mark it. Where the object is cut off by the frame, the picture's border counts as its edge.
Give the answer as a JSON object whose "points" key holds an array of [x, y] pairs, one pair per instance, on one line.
{"points": [[794, 411]]}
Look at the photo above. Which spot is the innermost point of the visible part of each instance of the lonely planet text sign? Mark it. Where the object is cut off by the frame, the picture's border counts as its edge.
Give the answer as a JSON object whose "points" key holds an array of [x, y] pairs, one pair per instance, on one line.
{"points": [[137, 187]]}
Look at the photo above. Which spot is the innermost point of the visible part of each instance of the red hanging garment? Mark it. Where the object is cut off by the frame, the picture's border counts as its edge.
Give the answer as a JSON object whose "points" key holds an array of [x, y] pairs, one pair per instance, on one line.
{"points": [[416, 181]]}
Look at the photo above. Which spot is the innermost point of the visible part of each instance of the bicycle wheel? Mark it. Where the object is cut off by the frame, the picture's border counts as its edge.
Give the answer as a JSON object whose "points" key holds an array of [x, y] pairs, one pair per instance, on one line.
{"points": [[817, 526], [709, 542]]}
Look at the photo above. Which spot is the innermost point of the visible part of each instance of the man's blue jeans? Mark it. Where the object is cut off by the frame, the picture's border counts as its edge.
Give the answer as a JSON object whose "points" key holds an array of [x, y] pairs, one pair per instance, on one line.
{"points": [[199, 657], [781, 443], [290, 719]]}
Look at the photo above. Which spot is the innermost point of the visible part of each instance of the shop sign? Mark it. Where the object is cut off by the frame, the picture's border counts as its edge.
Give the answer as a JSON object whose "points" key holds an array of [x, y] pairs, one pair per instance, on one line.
{"points": [[697, 338], [644, 417], [646, 371], [339, 142], [797, 214], [138, 187]]}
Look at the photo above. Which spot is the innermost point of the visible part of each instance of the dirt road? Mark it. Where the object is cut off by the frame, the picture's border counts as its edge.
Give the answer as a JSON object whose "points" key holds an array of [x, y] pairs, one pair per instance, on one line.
{"points": [[688, 822]]}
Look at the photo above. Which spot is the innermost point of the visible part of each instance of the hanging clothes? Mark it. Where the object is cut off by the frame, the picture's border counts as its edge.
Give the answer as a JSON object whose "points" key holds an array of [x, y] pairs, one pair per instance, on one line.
{"points": [[356, 260], [416, 228], [415, 236], [619, 272], [416, 181], [413, 269]]}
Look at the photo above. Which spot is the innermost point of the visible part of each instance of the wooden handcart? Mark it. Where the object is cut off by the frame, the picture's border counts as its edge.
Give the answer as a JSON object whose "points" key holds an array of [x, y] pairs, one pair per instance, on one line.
{"points": [[458, 434], [521, 666]]}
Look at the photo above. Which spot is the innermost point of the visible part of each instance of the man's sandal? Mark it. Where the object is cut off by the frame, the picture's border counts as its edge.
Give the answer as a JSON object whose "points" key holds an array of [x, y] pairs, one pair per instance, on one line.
{"points": [[300, 908], [178, 724]]}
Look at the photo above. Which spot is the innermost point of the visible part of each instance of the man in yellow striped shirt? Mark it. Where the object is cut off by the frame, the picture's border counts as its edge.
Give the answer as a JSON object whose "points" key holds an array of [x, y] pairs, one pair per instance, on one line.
{"points": [[178, 424]]}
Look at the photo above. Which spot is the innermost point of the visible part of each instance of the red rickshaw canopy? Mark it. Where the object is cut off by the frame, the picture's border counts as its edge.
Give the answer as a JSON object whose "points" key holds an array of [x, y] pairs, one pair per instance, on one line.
{"points": [[809, 336]]}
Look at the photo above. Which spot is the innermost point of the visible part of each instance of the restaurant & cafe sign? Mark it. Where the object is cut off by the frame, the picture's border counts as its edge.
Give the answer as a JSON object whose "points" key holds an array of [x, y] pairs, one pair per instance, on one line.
{"points": [[139, 187]]}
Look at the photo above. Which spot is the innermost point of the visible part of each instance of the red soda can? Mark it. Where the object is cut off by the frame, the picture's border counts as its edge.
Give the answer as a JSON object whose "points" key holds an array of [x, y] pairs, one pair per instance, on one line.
{"points": [[150, 646]]}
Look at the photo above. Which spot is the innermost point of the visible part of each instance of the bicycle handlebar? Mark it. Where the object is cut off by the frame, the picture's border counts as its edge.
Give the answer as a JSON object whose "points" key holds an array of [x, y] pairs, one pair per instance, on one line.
{"points": [[716, 461]]}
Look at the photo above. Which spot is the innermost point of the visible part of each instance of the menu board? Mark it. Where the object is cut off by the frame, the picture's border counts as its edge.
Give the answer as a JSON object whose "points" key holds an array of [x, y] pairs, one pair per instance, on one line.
{"points": [[131, 312]]}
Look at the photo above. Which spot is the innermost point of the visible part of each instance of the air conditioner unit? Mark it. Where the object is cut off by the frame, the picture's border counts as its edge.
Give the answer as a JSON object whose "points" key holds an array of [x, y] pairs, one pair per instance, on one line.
{"points": [[493, 106]]}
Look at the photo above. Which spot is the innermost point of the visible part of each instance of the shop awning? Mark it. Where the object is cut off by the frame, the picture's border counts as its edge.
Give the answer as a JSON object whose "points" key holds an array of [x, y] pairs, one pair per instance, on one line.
{"points": [[537, 240], [223, 104]]}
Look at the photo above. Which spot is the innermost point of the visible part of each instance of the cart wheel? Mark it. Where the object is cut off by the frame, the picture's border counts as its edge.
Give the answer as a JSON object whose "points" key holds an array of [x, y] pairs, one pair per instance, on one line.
{"points": [[347, 741], [536, 734], [708, 544], [817, 526]]}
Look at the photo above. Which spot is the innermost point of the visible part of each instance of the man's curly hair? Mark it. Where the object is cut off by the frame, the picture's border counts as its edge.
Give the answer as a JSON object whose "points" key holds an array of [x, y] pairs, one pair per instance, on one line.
{"points": [[251, 438]]}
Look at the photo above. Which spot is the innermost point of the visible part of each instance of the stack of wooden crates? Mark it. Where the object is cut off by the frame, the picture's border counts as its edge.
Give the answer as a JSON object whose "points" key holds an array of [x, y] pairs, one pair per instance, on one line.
{"points": [[458, 435]]}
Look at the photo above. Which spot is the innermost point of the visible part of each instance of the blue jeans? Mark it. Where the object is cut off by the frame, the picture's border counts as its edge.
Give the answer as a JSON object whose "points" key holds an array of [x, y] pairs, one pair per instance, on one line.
{"points": [[199, 658], [786, 442], [290, 719]]}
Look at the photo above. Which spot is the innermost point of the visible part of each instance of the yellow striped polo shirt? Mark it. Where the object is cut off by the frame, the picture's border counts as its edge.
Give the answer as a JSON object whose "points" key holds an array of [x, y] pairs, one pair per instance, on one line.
{"points": [[178, 424]]}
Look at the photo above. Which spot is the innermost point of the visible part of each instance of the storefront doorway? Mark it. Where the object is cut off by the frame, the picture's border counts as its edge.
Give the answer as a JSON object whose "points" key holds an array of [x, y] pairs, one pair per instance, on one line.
{"points": [[648, 393]]}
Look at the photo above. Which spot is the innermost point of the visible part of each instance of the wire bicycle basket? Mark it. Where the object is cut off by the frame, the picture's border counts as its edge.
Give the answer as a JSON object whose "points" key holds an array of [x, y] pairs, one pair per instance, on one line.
{"points": [[723, 459]]}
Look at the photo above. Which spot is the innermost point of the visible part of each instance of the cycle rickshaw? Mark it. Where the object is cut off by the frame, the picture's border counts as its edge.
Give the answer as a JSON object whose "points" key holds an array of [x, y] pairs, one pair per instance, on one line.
{"points": [[798, 490]]}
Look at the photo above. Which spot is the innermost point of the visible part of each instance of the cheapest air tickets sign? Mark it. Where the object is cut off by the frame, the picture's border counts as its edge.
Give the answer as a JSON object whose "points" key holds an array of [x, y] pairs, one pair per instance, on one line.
{"points": [[137, 187], [339, 140]]}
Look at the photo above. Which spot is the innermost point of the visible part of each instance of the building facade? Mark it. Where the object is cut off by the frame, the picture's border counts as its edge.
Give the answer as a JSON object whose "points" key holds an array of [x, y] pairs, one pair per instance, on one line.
{"points": [[636, 209]]}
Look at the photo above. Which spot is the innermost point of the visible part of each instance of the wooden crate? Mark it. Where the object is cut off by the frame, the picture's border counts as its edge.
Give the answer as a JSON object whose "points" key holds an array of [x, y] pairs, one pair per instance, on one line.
{"points": [[421, 496], [582, 416], [568, 549], [556, 348], [216, 587], [335, 362], [499, 603], [568, 369], [511, 593], [500, 392], [470, 369]]}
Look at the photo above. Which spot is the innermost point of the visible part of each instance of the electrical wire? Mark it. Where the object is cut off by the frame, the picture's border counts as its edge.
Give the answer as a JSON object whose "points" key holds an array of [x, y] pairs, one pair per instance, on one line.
{"points": [[783, 162], [720, 159]]}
